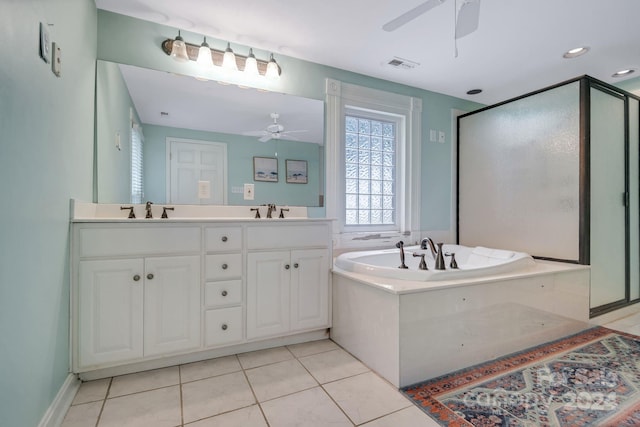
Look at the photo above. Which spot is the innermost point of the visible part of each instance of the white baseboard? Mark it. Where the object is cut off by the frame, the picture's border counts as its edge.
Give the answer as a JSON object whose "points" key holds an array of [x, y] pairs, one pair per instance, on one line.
{"points": [[60, 405]]}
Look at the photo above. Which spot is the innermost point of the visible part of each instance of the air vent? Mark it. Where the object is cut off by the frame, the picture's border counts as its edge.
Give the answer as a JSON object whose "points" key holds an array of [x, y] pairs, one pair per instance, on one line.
{"points": [[406, 64]]}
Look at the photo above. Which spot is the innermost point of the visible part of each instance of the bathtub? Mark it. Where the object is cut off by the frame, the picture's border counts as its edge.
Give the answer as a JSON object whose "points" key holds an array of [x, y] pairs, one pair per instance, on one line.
{"points": [[412, 325], [472, 262]]}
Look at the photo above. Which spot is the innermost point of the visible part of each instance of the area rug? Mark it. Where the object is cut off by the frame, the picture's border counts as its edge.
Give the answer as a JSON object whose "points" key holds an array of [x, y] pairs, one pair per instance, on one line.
{"points": [[588, 379]]}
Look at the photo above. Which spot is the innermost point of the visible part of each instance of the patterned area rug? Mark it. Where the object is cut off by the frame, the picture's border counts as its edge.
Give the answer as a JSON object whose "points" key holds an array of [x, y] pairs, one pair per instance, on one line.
{"points": [[588, 379]]}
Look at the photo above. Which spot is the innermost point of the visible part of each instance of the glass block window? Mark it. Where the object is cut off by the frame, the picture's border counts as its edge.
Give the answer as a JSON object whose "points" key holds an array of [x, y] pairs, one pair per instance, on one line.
{"points": [[370, 171]]}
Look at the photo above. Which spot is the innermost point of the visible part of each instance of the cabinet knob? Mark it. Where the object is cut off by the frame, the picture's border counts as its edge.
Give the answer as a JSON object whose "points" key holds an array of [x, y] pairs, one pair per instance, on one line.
{"points": [[225, 266], [224, 238], [224, 326], [224, 293], [295, 265], [150, 276], [136, 277], [287, 267]]}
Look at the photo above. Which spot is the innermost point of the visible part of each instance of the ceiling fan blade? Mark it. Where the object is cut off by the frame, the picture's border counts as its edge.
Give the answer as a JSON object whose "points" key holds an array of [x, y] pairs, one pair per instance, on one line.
{"points": [[468, 18], [265, 138], [411, 14], [254, 133], [293, 131]]}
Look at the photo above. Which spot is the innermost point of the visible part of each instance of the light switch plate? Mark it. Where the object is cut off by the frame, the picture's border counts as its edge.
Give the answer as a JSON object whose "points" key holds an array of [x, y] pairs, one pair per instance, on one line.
{"points": [[45, 42], [248, 191], [432, 135], [204, 190]]}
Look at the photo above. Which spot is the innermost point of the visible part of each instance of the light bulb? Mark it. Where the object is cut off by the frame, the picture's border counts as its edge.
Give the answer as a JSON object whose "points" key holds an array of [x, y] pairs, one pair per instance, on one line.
{"points": [[204, 56], [229, 59], [251, 64], [179, 50], [273, 71]]}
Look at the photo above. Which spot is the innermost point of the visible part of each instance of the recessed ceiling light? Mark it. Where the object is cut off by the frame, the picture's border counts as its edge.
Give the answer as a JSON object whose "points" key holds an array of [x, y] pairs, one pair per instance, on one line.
{"points": [[623, 73], [474, 91], [573, 53]]}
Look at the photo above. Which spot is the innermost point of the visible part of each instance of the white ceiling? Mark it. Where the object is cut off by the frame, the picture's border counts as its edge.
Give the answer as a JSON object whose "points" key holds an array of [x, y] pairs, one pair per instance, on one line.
{"points": [[517, 48], [208, 106]]}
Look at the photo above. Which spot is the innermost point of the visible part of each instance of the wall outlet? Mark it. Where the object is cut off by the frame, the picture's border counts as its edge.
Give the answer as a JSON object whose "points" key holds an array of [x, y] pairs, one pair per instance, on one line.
{"points": [[441, 137], [56, 59], [248, 191]]}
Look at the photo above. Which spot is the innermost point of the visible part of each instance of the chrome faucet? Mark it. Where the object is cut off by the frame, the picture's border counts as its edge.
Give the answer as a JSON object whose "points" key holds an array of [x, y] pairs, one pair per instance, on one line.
{"points": [[148, 209]]}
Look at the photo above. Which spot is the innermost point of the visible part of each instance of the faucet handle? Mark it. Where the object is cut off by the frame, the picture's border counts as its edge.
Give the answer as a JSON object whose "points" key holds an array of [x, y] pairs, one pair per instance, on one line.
{"points": [[131, 213], [282, 211], [164, 211], [257, 212]]}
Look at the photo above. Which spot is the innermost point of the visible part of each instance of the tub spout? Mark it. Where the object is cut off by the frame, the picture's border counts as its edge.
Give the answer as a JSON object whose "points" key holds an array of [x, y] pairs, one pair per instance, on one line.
{"points": [[400, 245], [427, 241]]}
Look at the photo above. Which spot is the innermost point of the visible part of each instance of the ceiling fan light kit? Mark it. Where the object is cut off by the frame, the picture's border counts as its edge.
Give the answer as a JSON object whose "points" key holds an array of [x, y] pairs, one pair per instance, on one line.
{"points": [[228, 60]]}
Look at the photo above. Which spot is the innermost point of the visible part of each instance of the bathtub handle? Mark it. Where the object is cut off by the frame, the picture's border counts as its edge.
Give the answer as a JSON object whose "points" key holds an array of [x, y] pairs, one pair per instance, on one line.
{"points": [[423, 263]]}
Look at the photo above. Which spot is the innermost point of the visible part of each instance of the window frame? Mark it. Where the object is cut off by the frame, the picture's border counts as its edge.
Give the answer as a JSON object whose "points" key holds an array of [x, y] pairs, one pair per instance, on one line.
{"points": [[341, 96]]}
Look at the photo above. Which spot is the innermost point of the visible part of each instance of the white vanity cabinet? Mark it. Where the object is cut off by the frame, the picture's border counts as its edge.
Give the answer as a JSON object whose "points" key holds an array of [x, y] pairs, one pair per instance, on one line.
{"points": [[134, 300], [152, 293], [287, 290]]}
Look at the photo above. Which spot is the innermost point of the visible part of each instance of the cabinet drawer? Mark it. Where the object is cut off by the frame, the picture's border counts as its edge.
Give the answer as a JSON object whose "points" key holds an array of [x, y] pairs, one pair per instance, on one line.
{"points": [[223, 239], [227, 292], [131, 240], [288, 236], [223, 326], [223, 266]]}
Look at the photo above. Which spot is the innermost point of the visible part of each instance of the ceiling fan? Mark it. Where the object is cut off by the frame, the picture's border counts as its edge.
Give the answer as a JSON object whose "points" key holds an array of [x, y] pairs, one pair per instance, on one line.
{"points": [[467, 17], [274, 131]]}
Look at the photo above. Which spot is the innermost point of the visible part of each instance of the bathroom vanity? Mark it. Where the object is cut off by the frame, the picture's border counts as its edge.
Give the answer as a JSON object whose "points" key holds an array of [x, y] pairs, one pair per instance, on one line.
{"points": [[148, 293]]}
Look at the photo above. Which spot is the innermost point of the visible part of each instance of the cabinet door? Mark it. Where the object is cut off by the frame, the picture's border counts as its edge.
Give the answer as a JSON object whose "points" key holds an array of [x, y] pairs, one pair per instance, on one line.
{"points": [[110, 296], [309, 289], [268, 277], [171, 304]]}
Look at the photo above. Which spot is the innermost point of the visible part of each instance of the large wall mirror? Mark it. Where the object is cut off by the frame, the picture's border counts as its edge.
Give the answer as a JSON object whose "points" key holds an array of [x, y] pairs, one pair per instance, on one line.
{"points": [[173, 111]]}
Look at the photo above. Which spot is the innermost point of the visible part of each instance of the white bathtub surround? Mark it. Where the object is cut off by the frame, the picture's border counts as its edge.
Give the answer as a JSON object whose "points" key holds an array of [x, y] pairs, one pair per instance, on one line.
{"points": [[81, 211], [409, 330]]}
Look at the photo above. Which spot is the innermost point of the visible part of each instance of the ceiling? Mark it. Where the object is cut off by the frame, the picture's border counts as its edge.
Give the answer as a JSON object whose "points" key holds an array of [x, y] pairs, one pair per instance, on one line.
{"points": [[517, 48], [172, 100]]}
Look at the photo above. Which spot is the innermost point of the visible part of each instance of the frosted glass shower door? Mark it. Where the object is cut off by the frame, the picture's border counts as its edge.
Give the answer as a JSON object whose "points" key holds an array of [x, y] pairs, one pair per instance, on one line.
{"points": [[608, 187]]}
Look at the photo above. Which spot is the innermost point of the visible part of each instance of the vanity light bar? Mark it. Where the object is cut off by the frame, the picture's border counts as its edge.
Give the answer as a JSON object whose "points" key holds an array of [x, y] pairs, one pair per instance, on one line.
{"points": [[217, 55]]}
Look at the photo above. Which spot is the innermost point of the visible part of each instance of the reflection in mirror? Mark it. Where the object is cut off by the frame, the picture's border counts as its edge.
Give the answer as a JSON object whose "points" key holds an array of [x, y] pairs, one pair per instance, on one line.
{"points": [[214, 130]]}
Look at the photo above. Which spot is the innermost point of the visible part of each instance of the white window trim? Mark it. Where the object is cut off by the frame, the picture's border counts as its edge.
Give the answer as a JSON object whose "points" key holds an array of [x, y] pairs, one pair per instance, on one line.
{"points": [[340, 95]]}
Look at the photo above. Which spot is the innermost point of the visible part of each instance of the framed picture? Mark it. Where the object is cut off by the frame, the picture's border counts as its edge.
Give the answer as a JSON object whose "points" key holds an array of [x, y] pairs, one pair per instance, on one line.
{"points": [[296, 171], [265, 169]]}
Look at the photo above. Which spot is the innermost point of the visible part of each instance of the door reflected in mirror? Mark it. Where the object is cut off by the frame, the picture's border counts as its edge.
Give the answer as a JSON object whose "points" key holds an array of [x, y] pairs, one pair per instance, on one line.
{"points": [[223, 126]]}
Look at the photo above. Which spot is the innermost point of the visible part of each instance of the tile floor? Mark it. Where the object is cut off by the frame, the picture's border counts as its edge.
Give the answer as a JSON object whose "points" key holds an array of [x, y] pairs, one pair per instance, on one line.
{"points": [[310, 384]]}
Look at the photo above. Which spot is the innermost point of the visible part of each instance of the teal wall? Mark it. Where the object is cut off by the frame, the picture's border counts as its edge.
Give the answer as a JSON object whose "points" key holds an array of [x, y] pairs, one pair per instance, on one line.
{"points": [[240, 152], [47, 137], [113, 106], [135, 42]]}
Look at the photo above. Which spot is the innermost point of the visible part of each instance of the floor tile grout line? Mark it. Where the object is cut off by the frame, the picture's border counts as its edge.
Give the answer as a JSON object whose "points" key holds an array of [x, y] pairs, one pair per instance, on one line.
{"points": [[255, 397], [180, 391], [104, 402]]}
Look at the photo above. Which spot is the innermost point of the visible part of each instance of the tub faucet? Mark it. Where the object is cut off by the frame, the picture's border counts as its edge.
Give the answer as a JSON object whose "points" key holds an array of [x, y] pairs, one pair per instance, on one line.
{"points": [[272, 209], [427, 241], [148, 209], [400, 245]]}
